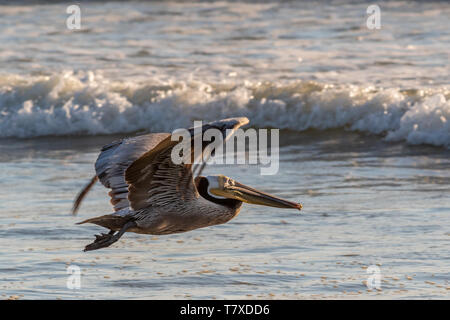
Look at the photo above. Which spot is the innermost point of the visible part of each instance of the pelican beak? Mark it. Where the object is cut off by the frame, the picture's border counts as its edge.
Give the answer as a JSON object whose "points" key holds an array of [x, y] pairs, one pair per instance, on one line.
{"points": [[239, 191]]}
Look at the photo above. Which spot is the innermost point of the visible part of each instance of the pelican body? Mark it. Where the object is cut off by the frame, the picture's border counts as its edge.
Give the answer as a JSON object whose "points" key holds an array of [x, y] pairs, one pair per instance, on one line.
{"points": [[152, 195]]}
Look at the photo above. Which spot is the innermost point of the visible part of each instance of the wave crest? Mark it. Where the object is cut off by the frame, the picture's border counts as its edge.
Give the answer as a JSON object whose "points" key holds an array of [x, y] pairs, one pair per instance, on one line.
{"points": [[85, 103]]}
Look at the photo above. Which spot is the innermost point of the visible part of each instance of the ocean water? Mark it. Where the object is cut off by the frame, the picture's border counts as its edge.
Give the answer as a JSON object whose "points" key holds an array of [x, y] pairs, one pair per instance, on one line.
{"points": [[364, 145]]}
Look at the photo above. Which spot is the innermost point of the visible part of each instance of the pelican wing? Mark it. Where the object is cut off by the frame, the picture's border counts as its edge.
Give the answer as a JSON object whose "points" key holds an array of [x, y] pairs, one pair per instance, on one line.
{"points": [[116, 157], [154, 180]]}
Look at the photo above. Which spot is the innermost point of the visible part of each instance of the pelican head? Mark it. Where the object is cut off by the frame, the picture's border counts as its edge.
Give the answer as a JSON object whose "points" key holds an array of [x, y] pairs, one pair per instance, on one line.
{"points": [[221, 187]]}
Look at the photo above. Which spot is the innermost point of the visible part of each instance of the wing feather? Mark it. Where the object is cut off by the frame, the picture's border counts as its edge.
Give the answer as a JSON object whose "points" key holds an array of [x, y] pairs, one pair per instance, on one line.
{"points": [[140, 173], [116, 157], [154, 180]]}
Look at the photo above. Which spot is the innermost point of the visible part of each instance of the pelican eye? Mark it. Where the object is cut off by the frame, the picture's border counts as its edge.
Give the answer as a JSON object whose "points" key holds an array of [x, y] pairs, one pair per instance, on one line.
{"points": [[228, 183]]}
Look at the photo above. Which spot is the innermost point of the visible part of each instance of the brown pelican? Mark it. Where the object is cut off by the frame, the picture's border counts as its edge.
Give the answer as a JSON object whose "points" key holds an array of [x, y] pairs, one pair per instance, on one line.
{"points": [[152, 195]]}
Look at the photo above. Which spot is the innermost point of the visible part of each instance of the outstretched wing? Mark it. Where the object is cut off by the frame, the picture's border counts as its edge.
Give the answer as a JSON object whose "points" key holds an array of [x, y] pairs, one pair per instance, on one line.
{"points": [[154, 180], [116, 157]]}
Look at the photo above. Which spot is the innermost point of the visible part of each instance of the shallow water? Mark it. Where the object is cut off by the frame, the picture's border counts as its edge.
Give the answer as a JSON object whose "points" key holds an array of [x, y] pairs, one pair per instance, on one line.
{"points": [[366, 202], [365, 137]]}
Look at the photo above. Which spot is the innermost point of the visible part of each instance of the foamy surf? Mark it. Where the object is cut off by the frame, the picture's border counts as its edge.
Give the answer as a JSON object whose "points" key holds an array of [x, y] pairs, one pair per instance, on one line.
{"points": [[86, 103]]}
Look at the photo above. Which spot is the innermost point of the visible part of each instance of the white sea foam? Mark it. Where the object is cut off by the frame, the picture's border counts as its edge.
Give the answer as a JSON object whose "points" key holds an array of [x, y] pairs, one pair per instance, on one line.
{"points": [[87, 104]]}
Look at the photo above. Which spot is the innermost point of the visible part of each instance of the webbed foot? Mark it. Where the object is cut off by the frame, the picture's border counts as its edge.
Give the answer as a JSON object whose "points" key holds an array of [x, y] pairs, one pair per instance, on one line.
{"points": [[102, 241], [106, 239]]}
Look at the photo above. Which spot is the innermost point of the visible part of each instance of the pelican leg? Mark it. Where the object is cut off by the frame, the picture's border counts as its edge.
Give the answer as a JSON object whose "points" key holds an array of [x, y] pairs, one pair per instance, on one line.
{"points": [[106, 239]]}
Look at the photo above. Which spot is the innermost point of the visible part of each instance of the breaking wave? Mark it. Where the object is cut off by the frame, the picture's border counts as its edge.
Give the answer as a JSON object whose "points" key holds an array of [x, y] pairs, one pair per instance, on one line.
{"points": [[85, 103]]}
